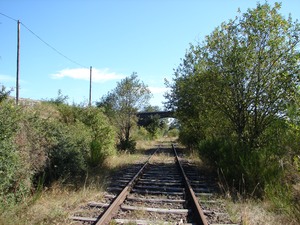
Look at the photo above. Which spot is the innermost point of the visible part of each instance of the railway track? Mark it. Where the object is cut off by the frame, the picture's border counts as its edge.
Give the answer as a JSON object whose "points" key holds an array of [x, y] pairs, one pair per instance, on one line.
{"points": [[167, 189]]}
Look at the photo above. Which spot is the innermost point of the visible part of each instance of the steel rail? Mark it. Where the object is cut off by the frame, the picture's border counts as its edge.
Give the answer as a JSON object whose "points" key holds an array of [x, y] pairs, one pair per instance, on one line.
{"points": [[105, 218], [198, 213]]}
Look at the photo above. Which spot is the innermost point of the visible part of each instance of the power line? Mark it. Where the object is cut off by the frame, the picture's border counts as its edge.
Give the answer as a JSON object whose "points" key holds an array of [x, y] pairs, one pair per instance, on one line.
{"points": [[54, 49], [46, 43], [8, 17]]}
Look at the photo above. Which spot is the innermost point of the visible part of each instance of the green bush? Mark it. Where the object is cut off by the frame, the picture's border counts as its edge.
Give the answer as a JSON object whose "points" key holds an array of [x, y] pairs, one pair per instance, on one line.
{"points": [[67, 148], [97, 155], [4, 93], [102, 133], [127, 145], [247, 171], [173, 132], [142, 134], [15, 179], [189, 136], [46, 142]]}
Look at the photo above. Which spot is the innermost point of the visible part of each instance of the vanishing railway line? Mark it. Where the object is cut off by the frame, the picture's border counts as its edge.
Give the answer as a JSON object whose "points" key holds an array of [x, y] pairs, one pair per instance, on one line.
{"points": [[165, 190]]}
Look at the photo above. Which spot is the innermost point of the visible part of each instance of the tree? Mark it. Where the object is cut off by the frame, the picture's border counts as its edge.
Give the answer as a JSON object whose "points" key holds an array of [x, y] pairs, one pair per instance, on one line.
{"points": [[60, 99], [122, 104], [4, 93], [247, 70], [189, 100], [255, 69], [233, 94], [153, 122]]}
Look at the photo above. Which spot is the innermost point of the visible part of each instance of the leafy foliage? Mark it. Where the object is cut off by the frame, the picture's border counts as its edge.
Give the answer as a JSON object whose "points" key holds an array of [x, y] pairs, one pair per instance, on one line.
{"points": [[4, 93], [122, 104], [68, 149], [236, 96], [44, 142], [60, 99], [153, 123], [103, 134], [13, 185]]}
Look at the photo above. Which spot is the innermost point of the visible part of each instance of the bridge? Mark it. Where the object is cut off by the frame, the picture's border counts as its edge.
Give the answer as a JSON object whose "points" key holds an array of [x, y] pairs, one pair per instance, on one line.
{"points": [[144, 118]]}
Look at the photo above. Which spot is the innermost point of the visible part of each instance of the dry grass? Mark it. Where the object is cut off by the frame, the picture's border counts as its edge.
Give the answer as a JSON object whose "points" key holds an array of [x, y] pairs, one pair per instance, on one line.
{"points": [[123, 159], [163, 158], [54, 206], [144, 145], [253, 212], [250, 212], [193, 157], [57, 203]]}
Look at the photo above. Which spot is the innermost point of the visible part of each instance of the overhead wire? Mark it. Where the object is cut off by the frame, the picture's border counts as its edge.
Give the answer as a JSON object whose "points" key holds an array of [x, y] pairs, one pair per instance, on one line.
{"points": [[8, 17], [46, 43], [50, 46]]}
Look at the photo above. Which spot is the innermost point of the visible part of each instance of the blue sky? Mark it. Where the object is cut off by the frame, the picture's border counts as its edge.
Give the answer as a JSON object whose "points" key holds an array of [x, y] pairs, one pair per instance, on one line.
{"points": [[115, 37]]}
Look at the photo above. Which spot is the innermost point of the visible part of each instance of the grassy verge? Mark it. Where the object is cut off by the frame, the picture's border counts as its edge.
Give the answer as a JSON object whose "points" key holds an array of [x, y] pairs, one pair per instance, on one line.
{"points": [[256, 212], [52, 207], [248, 211], [55, 204]]}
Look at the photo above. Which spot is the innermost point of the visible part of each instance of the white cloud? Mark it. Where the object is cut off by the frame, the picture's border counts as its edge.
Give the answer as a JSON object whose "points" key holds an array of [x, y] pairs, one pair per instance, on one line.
{"points": [[98, 75], [158, 90]]}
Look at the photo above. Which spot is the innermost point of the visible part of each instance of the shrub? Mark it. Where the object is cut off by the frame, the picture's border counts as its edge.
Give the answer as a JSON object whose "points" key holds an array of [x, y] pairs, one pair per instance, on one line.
{"points": [[142, 134], [247, 171], [68, 148], [102, 133], [4, 93], [251, 169], [173, 132], [46, 142], [127, 145], [31, 140], [14, 176], [97, 155], [189, 136]]}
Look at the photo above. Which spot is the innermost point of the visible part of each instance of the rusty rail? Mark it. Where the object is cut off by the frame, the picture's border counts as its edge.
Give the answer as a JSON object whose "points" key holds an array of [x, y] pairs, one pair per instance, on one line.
{"points": [[197, 210], [105, 218], [198, 213]]}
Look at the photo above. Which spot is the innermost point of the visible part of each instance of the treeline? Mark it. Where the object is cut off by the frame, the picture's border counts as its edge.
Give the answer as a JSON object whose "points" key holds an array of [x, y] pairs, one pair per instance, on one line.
{"points": [[236, 96]]}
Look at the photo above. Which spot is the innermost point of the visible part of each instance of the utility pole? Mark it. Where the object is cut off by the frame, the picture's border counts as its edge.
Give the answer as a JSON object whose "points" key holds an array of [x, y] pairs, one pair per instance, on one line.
{"points": [[18, 64], [90, 98]]}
